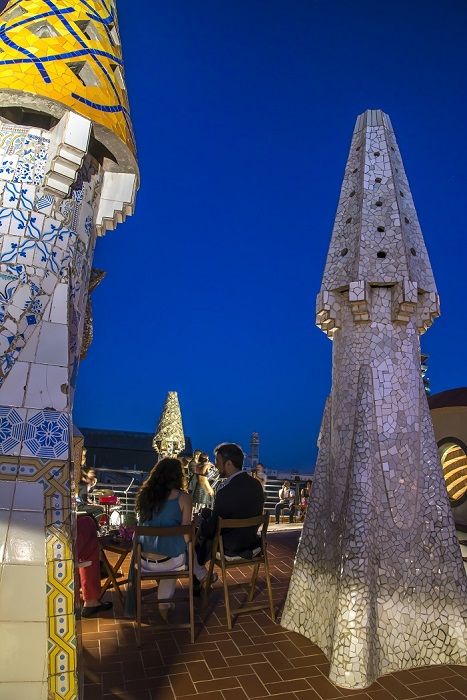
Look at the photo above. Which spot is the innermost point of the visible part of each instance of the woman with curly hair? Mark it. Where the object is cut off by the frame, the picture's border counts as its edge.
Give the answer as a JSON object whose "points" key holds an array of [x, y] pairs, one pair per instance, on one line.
{"points": [[163, 502]]}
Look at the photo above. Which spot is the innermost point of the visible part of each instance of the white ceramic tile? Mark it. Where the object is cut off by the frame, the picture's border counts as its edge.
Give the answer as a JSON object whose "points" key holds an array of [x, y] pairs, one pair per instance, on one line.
{"points": [[4, 523], [7, 492], [12, 390], [28, 353], [52, 348], [59, 309], [24, 691], [44, 387], [23, 593], [25, 641], [26, 539], [29, 495]]}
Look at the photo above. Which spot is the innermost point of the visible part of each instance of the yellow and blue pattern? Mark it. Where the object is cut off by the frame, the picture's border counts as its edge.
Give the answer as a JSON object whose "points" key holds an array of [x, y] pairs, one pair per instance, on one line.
{"points": [[68, 52]]}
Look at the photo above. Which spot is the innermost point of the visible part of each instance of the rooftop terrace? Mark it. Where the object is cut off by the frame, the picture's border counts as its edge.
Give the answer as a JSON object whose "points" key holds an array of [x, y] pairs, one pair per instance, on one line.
{"points": [[257, 659]]}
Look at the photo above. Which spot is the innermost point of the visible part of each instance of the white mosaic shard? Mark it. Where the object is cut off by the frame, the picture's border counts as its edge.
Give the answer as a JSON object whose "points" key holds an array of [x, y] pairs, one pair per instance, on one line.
{"points": [[378, 581]]}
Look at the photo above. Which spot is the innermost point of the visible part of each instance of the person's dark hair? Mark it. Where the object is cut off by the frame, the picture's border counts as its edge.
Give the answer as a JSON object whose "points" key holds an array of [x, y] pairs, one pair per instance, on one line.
{"points": [[203, 458], [232, 452], [197, 453], [165, 476]]}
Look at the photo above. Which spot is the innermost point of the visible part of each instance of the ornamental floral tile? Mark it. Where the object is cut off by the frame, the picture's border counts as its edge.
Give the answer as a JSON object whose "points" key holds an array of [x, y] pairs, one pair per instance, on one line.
{"points": [[5, 219], [9, 250], [11, 429], [11, 194], [24, 172], [7, 167], [47, 435], [27, 196], [19, 222]]}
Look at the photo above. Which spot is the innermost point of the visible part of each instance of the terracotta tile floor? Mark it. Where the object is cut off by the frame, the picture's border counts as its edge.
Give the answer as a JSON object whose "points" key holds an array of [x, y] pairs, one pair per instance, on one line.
{"points": [[257, 659]]}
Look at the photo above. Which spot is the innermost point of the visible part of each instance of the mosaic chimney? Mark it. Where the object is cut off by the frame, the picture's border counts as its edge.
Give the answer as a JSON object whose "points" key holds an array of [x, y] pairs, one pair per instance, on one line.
{"points": [[68, 174], [378, 582]]}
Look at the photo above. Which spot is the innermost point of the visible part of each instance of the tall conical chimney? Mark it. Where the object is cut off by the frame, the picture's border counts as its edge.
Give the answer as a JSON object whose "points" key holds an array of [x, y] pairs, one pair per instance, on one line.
{"points": [[378, 557]]}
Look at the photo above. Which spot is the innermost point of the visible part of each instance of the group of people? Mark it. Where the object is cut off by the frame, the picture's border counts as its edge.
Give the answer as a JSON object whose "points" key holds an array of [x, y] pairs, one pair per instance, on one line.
{"points": [[175, 491], [164, 501], [287, 501]]}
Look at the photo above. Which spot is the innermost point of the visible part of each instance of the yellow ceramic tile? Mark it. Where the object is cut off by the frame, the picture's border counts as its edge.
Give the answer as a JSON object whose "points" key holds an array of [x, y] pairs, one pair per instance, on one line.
{"points": [[104, 104]]}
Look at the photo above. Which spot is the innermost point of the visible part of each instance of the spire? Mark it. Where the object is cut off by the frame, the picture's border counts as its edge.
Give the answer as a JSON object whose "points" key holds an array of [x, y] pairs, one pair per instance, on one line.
{"points": [[169, 438], [376, 239], [57, 55]]}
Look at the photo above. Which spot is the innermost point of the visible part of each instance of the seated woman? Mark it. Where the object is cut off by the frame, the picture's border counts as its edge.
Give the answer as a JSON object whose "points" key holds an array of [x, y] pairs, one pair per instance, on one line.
{"points": [[87, 549], [163, 502]]}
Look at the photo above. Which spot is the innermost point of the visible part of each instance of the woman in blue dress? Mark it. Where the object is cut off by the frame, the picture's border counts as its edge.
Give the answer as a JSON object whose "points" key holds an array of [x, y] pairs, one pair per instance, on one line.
{"points": [[163, 502]]}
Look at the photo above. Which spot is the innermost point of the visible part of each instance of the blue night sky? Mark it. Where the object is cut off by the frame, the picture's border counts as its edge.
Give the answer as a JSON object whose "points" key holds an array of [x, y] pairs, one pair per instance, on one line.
{"points": [[243, 112]]}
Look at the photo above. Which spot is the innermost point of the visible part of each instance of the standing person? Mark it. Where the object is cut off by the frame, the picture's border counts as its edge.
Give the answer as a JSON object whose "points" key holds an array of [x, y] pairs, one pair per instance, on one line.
{"points": [[286, 500], [238, 496], [203, 493], [192, 467], [305, 494], [260, 474], [162, 502]]}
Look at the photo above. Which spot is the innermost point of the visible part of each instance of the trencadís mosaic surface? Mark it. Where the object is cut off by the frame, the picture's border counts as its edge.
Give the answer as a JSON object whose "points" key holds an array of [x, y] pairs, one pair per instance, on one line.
{"points": [[378, 582], [68, 52]]}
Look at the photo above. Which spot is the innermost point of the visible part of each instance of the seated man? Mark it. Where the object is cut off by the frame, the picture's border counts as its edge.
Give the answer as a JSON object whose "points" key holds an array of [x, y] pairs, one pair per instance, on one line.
{"points": [[238, 496], [286, 500]]}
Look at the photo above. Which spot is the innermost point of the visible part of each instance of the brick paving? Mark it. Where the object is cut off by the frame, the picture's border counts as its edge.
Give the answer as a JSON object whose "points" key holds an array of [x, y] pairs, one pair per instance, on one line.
{"points": [[257, 659]]}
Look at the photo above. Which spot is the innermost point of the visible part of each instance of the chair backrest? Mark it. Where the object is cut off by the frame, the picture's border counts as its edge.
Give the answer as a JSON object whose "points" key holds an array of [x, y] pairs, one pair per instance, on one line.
{"points": [[188, 531], [237, 523], [231, 523]]}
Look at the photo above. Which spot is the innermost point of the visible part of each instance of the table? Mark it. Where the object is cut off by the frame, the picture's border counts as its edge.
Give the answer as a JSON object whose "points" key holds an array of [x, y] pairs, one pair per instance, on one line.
{"points": [[108, 543]]}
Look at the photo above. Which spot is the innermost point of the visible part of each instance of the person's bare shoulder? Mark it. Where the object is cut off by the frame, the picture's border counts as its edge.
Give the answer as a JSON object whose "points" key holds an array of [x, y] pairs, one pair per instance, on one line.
{"points": [[185, 498]]}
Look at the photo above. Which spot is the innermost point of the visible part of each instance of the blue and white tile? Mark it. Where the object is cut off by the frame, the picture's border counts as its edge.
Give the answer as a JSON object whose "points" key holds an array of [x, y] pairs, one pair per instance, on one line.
{"points": [[27, 197], [8, 166], [5, 219], [47, 435], [24, 172], [9, 249], [19, 222], [44, 203], [12, 426], [11, 194]]}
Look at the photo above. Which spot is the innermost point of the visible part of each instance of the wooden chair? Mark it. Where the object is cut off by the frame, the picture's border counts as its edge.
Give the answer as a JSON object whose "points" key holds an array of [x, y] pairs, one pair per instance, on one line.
{"points": [[225, 562], [142, 575]]}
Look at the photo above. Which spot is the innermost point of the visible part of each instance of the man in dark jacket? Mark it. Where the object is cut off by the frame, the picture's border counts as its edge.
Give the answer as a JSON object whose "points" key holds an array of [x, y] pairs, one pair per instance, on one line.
{"points": [[238, 496]]}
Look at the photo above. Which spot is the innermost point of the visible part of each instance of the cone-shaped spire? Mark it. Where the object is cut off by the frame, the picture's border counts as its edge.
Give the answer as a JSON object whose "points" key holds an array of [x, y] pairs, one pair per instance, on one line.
{"points": [[169, 438], [376, 239], [376, 235], [57, 55]]}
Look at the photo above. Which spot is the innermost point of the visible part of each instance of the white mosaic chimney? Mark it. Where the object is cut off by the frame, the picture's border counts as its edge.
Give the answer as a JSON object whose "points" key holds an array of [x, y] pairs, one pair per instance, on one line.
{"points": [[378, 582]]}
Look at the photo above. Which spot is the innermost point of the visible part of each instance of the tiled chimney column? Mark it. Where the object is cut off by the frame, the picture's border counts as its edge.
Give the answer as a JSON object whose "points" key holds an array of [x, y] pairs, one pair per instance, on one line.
{"points": [[378, 582], [67, 174]]}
